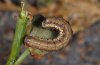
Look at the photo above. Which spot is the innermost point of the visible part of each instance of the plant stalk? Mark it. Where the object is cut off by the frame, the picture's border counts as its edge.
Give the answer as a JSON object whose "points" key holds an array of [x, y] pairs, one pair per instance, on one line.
{"points": [[19, 36]]}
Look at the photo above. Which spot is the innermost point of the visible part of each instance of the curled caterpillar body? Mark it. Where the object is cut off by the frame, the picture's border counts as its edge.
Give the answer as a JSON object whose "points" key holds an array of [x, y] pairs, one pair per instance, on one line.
{"points": [[62, 40]]}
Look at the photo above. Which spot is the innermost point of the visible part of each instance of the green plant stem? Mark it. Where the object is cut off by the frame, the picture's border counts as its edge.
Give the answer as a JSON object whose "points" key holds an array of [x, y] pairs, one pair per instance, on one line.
{"points": [[17, 42], [19, 35], [22, 57]]}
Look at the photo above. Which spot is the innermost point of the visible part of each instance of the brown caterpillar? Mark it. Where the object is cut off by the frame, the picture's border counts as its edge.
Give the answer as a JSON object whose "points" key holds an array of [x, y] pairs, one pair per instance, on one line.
{"points": [[65, 34]]}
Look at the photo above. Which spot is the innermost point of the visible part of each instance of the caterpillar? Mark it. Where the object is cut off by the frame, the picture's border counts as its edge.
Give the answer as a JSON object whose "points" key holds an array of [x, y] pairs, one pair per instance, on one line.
{"points": [[59, 42]]}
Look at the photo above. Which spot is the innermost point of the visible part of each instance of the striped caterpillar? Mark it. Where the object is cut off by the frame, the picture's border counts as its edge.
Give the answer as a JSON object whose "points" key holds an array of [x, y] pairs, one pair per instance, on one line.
{"points": [[61, 41]]}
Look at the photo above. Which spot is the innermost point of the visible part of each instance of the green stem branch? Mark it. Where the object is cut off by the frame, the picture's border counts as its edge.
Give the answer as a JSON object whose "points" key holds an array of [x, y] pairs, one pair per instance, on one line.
{"points": [[22, 57]]}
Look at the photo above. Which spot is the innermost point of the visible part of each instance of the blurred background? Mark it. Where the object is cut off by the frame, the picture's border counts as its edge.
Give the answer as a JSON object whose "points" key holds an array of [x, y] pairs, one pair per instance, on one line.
{"points": [[84, 17]]}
